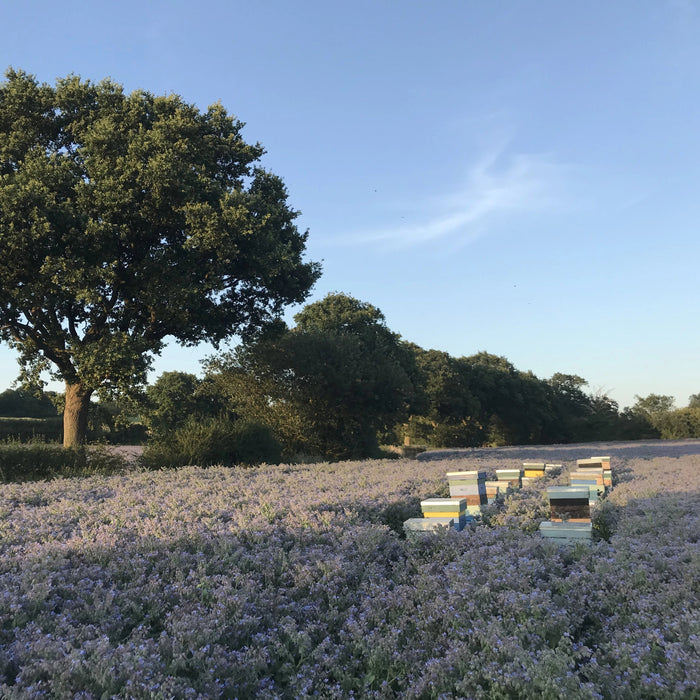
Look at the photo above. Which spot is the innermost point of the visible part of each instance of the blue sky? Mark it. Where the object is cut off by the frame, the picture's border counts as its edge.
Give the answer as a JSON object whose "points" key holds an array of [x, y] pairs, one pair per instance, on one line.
{"points": [[518, 177]]}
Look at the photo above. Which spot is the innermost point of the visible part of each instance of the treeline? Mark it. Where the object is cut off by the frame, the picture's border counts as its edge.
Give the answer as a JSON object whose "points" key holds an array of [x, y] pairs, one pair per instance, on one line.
{"points": [[340, 384], [665, 420]]}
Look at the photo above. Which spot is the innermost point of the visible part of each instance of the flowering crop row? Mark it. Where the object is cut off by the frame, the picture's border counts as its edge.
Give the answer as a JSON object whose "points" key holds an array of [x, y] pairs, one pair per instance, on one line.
{"points": [[294, 582]]}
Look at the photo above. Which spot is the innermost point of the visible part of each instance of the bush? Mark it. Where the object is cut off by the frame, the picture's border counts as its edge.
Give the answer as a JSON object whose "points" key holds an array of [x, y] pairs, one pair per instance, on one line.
{"points": [[32, 429], [35, 461], [255, 443], [213, 441], [679, 424]]}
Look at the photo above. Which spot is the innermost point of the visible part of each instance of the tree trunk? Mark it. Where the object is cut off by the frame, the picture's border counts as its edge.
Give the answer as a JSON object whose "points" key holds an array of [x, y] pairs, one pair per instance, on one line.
{"points": [[75, 415]]}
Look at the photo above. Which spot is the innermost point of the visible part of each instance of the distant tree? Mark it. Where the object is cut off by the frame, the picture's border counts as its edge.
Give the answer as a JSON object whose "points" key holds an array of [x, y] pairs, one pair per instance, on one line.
{"points": [[571, 406], [603, 421], [678, 424], [128, 219], [20, 403], [538, 413], [694, 401], [173, 399], [635, 425], [328, 385], [653, 404], [498, 388], [571, 386], [445, 413]]}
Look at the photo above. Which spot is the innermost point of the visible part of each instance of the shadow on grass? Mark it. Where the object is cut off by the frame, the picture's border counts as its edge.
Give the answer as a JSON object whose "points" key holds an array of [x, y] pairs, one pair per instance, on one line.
{"points": [[393, 514]]}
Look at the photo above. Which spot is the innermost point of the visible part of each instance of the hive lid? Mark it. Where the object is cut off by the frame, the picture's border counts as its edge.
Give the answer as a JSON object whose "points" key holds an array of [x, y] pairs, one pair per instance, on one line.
{"points": [[568, 491], [447, 502]]}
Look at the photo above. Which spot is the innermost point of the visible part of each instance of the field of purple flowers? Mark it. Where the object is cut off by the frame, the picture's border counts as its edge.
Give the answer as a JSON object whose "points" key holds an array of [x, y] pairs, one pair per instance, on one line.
{"points": [[296, 581]]}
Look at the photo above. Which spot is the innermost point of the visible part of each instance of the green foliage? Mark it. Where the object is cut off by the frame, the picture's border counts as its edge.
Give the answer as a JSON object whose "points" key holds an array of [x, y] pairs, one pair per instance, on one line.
{"points": [[636, 426], [658, 413], [339, 379], [506, 415], [114, 424], [204, 442], [128, 218], [653, 404], [448, 402], [31, 429], [174, 398], [484, 400], [341, 313], [19, 403], [36, 461], [679, 424], [694, 401], [605, 519], [326, 387]]}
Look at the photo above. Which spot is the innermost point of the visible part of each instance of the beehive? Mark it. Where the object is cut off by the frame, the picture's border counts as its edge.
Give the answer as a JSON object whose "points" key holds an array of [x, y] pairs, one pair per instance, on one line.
{"points": [[569, 503], [455, 508], [511, 476], [597, 463], [533, 470], [471, 486], [566, 533], [590, 477], [493, 489]]}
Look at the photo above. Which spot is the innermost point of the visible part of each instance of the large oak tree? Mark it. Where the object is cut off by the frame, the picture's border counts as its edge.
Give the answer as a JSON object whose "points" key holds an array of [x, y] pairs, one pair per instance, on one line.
{"points": [[126, 219]]}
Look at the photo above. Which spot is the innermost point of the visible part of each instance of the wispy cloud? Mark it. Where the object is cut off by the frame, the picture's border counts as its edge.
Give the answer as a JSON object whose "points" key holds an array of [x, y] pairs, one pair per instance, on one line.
{"points": [[497, 185]]}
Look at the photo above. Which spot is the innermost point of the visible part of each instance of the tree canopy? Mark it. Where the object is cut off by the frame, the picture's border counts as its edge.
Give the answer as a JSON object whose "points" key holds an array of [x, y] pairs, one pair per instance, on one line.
{"points": [[326, 386], [17, 402], [126, 219], [654, 404], [173, 399]]}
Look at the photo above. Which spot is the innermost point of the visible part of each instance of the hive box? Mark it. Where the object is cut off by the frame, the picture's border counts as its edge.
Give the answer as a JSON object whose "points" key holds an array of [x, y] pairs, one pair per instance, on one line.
{"points": [[569, 503], [566, 533], [553, 469], [466, 477], [607, 472], [493, 488], [597, 463], [587, 476], [469, 485], [414, 526], [533, 470], [510, 476], [590, 463], [444, 507]]}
